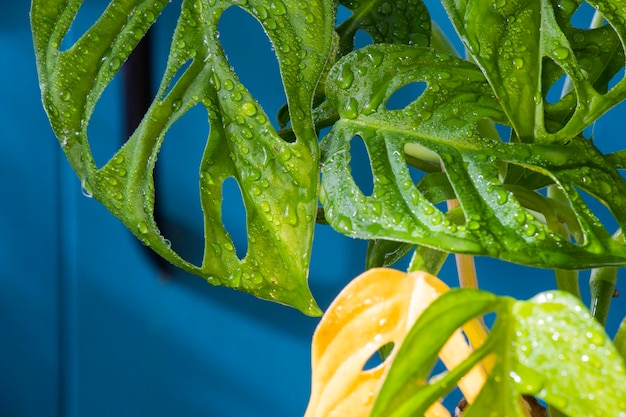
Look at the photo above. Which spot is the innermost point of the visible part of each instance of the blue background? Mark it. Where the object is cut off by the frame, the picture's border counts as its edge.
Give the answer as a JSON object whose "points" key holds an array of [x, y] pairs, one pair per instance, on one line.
{"points": [[88, 324]]}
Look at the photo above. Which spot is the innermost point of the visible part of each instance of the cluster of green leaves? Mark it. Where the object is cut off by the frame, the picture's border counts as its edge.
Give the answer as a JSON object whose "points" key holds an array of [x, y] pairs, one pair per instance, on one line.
{"points": [[525, 357], [518, 50]]}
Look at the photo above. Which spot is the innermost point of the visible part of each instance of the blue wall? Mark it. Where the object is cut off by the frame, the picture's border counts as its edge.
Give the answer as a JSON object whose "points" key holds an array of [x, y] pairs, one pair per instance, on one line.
{"points": [[90, 327]]}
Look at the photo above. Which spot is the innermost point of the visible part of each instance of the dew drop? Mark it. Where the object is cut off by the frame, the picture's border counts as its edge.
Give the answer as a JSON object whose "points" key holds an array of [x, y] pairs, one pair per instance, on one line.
{"points": [[115, 64], [248, 109], [473, 225], [560, 53], [351, 109], [376, 57], [277, 7], [228, 84], [346, 78], [85, 189], [386, 8], [142, 227], [518, 63]]}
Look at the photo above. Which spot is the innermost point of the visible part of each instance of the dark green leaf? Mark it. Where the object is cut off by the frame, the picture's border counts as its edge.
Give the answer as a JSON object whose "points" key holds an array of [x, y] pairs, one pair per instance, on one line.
{"points": [[396, 21], [524, 46], [442, 124]]}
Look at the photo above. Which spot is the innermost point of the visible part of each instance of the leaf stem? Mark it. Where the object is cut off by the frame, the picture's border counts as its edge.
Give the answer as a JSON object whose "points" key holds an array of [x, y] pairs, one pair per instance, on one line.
{"points": [[566, 280], [602, 285]]}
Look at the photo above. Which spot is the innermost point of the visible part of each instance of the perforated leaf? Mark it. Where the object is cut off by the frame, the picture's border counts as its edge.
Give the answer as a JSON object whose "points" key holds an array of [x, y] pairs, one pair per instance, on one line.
{"points": [[524, 46], [443, 126], [376, 308], [279, 188], [549, 347], [396, 21]]}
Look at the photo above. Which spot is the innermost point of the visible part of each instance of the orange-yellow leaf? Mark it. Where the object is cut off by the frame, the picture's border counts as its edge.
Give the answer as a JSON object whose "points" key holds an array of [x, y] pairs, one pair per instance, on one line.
{"points": [[378, 307]]}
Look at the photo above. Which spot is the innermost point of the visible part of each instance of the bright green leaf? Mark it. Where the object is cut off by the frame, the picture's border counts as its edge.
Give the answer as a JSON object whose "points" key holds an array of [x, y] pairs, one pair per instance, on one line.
{"points": [[279, 187], [548, 347]]}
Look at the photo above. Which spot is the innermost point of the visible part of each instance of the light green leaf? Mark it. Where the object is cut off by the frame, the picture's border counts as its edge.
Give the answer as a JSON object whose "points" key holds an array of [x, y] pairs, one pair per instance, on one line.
{"points": [[279, 187], [548, 347], [524, 46], [442, 125]]}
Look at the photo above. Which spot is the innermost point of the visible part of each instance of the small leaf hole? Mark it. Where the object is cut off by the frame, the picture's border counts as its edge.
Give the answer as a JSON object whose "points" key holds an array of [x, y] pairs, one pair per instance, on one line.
{"points": [[234, 216], [177, 193], [583, 16], [556, 91], [378, 357], [362, 39], [360, 167], [619, 75], [253, 59], [88, 13], [179, 73], [104, 129], [405, 95]]}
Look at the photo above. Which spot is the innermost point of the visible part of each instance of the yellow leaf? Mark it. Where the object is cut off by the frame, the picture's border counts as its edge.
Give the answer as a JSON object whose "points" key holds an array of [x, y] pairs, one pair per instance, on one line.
{"points": [[378, 307]]}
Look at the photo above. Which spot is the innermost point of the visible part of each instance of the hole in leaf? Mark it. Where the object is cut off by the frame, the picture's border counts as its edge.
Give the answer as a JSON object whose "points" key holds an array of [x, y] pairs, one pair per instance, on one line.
{"points": [[177, 206], [378, 357], [583, 16], [234, 216], [104, 131], [179, 72], [618, 77], [253, 58], [362, 39], [405, 95], [343, 14], [600, 210], [556, 92], [415, 174], [360, 167], [504, 131], [88, 13]]}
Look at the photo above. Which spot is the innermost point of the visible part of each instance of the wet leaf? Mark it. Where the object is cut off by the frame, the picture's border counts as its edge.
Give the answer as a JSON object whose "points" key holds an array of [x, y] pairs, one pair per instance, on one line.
{"points": [[495, 218], [375, 309], [523, 47], [242, 143], [386, 21], [549, 347]]}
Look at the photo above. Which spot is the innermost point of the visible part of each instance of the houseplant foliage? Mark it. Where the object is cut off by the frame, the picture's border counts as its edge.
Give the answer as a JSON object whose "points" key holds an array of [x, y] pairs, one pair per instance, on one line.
{"points": [[443, 146]]}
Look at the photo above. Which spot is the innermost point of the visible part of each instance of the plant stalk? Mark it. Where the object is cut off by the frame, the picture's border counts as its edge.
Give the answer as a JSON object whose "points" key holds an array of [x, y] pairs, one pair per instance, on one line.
{"points": [[602, 285], [566, 280]]}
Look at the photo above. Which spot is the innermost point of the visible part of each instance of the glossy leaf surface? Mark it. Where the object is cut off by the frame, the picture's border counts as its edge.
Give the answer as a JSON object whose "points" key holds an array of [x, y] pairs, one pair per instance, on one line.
{"points": [[443, 126], [549, 347], [524, 46], [397, 21], [278, 186]]}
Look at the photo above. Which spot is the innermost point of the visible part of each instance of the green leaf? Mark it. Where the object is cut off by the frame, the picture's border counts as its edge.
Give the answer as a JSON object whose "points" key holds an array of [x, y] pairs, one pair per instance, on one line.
{"points": [[523, 47], [279, 187], [549, 347], [442, 124], [396, 21]]}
